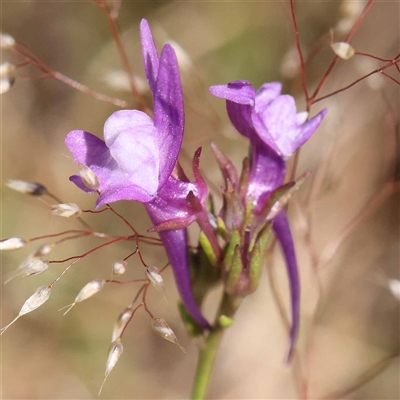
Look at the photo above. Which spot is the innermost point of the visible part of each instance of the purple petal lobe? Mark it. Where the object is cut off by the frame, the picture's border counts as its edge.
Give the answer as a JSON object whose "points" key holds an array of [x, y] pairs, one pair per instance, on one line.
{"points": [[241, 92], [79, 182], [150, 55], [88, 149], [132, 139], [308, 128], [240, 116], [279, 119], [169, 117], [115, 184], [282, 231], [267, 93]]}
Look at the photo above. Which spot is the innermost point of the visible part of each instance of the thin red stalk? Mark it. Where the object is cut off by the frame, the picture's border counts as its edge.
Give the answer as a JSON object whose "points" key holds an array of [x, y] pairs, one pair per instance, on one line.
{"points": [[77, 258], [58, 234], [133, 313], [358, 53], [125, 282], [337, 58], [379, 70], [33, 59], [123, 219], [164, 268], [72, 237], [144, 301], [299, 52], [130, 255], [390, 77], [112, 22]]}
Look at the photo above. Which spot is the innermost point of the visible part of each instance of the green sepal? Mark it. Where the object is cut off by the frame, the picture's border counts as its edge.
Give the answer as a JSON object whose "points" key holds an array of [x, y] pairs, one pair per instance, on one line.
{"points": [[232, 283], [207, 248], [230, 250], [221, 228], [257, 258], [192, 328]]}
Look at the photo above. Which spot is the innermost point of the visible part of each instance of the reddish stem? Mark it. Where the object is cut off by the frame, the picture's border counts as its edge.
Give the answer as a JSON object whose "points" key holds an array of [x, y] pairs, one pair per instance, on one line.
{"points": [[353, 30], [299, 52]]}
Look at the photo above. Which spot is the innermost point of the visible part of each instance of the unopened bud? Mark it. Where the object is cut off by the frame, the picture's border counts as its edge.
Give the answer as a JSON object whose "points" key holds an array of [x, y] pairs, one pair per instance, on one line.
{"points": [[35, 189], [6, 84], [155, 278], [162, 329], [43, 250], [6, 41], [394, 286], [86, 292], [114, 353], [343, 49], [12, 243], [30, 267], [121, 322], [66, 210], [41, 295], [89, 178], [6, 69], [35, 267], [119, 267]]}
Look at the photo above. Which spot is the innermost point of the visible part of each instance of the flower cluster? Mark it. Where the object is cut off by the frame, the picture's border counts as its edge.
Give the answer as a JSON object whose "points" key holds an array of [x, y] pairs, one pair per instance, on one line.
{"points": [[138, 161], [275, 131], [137, 158]]}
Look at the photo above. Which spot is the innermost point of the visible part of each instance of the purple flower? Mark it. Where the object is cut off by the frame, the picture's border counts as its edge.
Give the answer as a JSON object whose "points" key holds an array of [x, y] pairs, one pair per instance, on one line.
{"points": [[275, 130], [137, 158]]}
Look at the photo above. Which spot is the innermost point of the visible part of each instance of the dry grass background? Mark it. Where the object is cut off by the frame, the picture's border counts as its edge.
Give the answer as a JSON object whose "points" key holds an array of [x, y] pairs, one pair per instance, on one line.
{"points": [[354, 158]]}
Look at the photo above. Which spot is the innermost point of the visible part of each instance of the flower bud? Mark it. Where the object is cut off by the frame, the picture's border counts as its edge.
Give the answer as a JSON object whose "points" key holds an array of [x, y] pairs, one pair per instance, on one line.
{"points": [[41, 295], [89, 178], [35, 189], [6, 41], [114, 353], [6, 84], [66, 210], [155, 278], [35, 267], [343, 49], [121, 322], [119, 267], [162, 329], [6, 69], [43, 250], [29, 267], [12, 243], [87, 291]]}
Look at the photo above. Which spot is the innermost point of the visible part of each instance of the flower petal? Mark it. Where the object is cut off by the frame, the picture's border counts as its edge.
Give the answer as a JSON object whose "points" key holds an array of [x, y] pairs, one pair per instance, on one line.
{"points": [[115, 184], [240, 116], [169, 117], [279, 119], [267, 93], [282, 231], [241, 92], [308, 128], [132, 139], [267, 172], [176, 246], [150, 55]]}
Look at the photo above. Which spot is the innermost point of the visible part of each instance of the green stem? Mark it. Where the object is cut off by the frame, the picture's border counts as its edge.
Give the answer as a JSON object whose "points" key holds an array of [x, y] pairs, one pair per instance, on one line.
{"points": [[205, 364], [207, 354]]}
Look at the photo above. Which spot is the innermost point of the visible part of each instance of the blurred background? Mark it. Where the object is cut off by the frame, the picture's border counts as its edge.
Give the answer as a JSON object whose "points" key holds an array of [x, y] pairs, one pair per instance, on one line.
{"points": [[345, 218]]}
